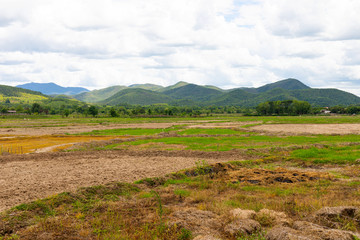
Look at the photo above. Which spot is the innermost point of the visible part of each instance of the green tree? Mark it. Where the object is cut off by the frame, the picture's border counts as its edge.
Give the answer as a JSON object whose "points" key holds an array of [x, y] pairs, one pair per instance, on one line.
{"points": [[19, 108], [286, 107], [93, 111], [113, 113], [36, 108], [66, 112]]}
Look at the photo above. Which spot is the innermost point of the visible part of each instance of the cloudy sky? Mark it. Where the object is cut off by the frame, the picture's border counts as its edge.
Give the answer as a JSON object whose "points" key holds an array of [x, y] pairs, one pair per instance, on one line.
{"points": [[227, 43]]}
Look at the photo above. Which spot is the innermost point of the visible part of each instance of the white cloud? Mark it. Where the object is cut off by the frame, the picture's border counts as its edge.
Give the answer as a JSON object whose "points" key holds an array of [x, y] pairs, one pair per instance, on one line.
{"points": [[227, 43]]}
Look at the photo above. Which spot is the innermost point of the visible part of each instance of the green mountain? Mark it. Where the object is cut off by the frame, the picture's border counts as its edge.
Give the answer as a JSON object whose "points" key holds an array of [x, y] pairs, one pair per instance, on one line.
{"points": [[288, 84], [20, 99], [316, 97], [186, 94], [177, 85], [99, 95], [147, 86], [102, 94], [326, 97], [8, 91], [215, 88], [193, 92], [20, 95], [234, 97], [137, 96]]}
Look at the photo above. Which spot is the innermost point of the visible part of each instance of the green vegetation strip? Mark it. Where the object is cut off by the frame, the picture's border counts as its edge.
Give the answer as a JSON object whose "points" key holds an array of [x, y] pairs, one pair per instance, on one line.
{"points": [[226, 143], [329, 154]]}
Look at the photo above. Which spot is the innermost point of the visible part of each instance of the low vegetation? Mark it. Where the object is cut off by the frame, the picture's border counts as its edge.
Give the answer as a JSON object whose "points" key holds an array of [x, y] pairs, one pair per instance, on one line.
{"points": [[296, 175], [146, 208]]}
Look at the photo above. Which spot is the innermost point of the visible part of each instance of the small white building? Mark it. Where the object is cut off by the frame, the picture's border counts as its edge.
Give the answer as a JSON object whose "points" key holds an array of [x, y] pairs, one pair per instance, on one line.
{"points": [[325, 111]]}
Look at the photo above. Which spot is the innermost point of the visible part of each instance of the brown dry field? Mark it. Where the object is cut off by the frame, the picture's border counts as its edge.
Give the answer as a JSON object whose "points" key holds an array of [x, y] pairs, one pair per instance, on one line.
{"points": [[28, 177]]}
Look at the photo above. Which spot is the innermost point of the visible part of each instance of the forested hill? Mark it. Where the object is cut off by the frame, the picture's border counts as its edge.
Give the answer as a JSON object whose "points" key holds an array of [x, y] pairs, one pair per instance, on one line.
{"points": [[8, 91], [185, 93]]}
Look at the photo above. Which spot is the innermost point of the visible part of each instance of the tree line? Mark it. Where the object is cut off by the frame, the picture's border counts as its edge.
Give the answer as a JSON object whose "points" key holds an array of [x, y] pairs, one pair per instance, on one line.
{"points": [[286, 107]]}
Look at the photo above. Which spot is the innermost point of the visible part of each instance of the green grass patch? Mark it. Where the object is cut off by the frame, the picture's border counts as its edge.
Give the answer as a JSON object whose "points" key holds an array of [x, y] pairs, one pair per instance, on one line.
{"points": [[124, 131], [226, 143], [354, 183], [211, 131], [329, 154], [182, 192]]}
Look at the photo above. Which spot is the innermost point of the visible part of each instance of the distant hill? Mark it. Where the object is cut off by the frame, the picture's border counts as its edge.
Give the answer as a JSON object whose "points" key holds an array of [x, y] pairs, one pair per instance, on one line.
{"points": [[326, 97], [52, 88], [137, 96], [20, 95], [99, 95], [234, 97], [177, 85], [147, 86], [8, 91], [316, 97], [187, 94], [193, 92], [288, 84], [102, 94]]}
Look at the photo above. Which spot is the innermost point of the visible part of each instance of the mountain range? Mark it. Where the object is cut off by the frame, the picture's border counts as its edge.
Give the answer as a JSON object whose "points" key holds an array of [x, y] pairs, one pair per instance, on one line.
{"points": [[184, 93], [52, 88]]}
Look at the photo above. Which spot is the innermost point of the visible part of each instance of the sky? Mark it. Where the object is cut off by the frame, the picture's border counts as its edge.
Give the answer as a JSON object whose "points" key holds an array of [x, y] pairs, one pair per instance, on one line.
{"points": [[226, 43]]}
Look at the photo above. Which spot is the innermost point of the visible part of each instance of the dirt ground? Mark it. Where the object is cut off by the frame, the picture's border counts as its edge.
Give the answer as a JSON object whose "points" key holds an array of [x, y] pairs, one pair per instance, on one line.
{"points": [[28, 177], [309, 128], [220, 124]]}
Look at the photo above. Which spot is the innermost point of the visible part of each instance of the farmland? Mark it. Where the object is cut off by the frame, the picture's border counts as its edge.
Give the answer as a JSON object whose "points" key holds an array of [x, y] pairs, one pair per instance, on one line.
{"points": [[57, 173]]}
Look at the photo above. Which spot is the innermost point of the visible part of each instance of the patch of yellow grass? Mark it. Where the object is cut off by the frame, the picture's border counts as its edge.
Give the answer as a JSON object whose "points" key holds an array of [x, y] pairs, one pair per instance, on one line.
{"points": [[21, 145]]}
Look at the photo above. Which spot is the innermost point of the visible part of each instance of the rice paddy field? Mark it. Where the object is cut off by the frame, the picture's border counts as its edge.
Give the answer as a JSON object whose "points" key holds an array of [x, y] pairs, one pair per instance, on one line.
{"points": [[132, 178]]}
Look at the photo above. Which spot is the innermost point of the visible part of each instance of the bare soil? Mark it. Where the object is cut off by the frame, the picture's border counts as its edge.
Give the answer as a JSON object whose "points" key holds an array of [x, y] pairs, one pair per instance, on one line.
{"points": [[309, 128], [24, 178], [220, 124]]}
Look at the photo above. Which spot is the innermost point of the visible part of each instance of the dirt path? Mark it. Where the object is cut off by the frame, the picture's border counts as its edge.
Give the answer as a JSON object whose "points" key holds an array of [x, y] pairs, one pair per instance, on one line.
{"points": [[28, 177], [52, 148], [309, 128]]}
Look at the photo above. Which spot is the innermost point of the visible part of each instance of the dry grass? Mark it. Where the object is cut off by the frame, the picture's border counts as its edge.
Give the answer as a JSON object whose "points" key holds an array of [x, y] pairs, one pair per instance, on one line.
{"points": [[142, 211], [21, 145]]}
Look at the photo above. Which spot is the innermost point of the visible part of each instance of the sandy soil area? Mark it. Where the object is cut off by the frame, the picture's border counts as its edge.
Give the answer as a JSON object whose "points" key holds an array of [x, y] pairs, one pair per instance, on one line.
{"points": [[28, 177], [309, 128]]}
